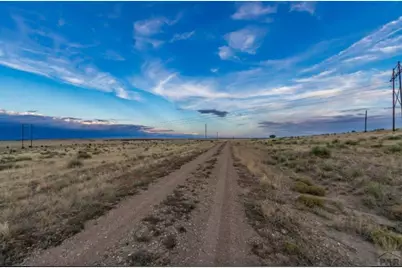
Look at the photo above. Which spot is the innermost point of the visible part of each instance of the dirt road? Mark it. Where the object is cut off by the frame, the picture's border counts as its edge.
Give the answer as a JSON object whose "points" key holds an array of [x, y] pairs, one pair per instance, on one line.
{"points": [[191, 217]]}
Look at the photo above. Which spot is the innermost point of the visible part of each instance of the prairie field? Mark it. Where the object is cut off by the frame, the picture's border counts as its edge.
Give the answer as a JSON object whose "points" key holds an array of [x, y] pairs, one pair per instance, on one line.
{"points": [[329, 199], [49, 191]]}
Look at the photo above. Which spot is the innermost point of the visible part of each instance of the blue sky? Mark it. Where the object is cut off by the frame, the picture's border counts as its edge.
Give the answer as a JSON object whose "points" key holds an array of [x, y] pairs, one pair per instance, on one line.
{"points": [[245, 68]]}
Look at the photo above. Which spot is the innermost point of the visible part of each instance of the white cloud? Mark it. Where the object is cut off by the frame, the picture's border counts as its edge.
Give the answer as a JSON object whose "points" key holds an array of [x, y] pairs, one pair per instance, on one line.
{"points": [[319, 77], [249, 92], [124, 94], [214, 70], [182, 36], [303, 7], [155, 78], [150, 27], [317, 93], [253, 10], [113, 55], [142, 43], [389, 49], [225, 53], [246, 40], [3, 111], [61, 22], [363, 58]]}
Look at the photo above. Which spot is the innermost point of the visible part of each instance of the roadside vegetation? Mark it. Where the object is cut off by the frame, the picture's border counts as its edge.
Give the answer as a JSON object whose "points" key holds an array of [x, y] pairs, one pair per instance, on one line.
{"points": [[323, 200], [49, 192]]}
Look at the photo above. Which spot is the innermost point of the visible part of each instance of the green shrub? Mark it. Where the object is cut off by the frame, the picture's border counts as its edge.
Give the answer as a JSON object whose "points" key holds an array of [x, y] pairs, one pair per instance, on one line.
{"points": [[74, 163], [83, 155], [23, 158], [5, 166], [378, 145], [375, 189], [395, 212], [321, 151], [8, 159], [305, 180], [386, 239], [351, 142], [310, 201], [394, 149], [291, 248], [303, 188], [393, 138]]}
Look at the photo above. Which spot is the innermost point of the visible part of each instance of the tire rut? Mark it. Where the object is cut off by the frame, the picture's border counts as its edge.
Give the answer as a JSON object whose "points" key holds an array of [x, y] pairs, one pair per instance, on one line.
{"points": [[153, 241], [220, 232]]}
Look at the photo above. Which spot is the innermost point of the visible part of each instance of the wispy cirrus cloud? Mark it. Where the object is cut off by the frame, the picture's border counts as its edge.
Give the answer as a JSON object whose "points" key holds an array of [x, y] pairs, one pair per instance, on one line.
{"points": [[25, 50], [308, 7], [252, 91], [381, 44], [113, 55], [146, 30], [254, 11], [182, 36]]}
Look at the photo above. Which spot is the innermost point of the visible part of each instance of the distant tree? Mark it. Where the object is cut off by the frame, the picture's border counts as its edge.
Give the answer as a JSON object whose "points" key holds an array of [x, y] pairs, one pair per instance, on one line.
{"points": [[272, 136], [353, 131]]}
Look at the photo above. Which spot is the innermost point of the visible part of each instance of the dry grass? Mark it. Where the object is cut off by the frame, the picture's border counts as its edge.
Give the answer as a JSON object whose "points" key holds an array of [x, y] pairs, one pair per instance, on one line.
{"points": [[49, 199], [317, 181]]}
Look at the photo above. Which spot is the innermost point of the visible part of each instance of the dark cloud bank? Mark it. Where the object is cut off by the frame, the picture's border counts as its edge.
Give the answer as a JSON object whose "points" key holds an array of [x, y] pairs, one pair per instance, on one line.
{"points": [[322, 125], [45, 127], [213, 111]]}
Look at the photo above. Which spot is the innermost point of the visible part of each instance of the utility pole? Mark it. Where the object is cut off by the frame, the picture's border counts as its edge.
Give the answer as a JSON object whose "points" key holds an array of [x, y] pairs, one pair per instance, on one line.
{"points": [[396, 94], [30, 131], [365, 122], [22, 136], [217, 135], [205, 131], [400, 84]]}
